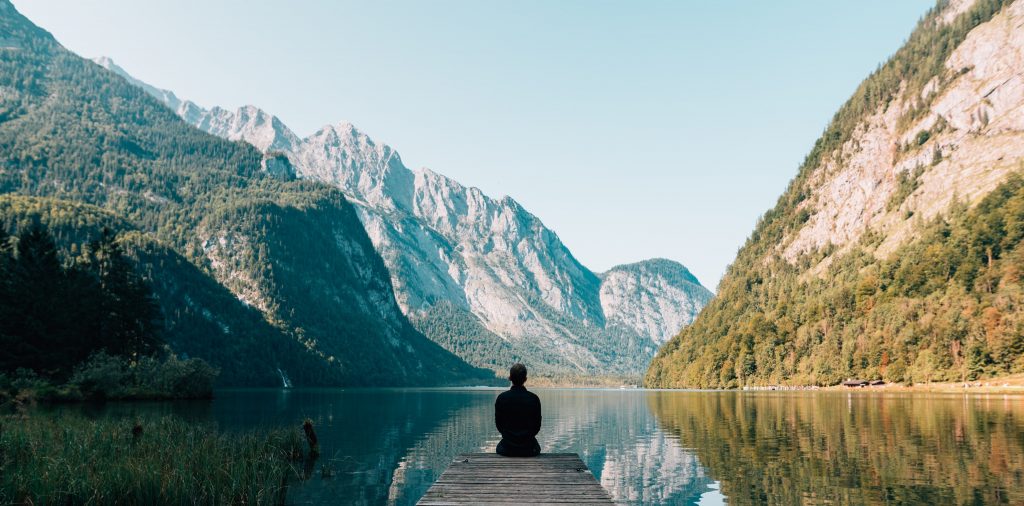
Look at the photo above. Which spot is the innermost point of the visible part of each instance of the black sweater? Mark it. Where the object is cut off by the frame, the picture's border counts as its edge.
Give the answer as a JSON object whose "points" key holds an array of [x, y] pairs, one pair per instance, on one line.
{"points": [[517, 416]]}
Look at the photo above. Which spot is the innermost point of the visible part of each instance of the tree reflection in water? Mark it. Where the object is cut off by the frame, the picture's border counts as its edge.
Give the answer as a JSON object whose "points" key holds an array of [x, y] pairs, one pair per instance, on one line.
{"points": [[853, 448], [655, 447]]}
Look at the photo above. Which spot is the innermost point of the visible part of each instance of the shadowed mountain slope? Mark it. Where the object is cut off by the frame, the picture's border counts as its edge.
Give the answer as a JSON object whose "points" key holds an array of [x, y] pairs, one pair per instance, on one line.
{"points": [[293, 255]]}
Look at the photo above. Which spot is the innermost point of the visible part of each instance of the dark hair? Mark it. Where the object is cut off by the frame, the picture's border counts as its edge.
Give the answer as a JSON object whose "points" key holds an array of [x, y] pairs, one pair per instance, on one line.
{"points": [[517, 374]]}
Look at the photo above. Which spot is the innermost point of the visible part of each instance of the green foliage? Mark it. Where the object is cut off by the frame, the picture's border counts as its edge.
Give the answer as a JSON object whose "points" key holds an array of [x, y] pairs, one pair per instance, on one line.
{"points": [[56, 315], [623, 349], [920, 59], [673, 273], [110, 377], [461, 333], [922, 137], [129, 319], [822, 330], [317, 299], [313, 266], [906, 183], [944, 307], [74, 460], [238, 341], [458, 331]]}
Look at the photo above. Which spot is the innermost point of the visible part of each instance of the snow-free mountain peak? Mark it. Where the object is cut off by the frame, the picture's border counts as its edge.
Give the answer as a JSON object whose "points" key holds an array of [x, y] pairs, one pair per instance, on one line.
{"points": [[481, 276], [658, 296]]}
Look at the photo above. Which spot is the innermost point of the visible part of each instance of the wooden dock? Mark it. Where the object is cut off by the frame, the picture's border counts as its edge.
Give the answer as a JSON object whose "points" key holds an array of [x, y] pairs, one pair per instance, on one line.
{"points": [[551, 478]]}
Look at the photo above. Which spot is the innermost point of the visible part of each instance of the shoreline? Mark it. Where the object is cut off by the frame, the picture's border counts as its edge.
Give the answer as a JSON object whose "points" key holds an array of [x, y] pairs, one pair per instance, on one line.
{"points": [[1012, 384]]}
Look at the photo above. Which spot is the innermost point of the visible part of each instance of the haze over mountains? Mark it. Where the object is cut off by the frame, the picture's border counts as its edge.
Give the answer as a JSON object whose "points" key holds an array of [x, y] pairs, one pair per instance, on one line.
{"points": [[481, 276]]}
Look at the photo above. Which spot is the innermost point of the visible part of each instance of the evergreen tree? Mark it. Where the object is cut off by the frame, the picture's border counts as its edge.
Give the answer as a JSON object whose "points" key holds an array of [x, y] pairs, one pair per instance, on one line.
{"points": [[129, 316], [55, 317], [34, 287], [5, 292]]}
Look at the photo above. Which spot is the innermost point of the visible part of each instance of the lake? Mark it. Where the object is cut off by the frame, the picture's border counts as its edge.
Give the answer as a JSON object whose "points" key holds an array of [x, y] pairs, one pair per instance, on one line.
{"points": [[658, 447]]}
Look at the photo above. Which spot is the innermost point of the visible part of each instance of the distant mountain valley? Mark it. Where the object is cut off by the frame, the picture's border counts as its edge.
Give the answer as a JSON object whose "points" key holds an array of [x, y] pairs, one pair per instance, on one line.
{"points": [[481, 276]]}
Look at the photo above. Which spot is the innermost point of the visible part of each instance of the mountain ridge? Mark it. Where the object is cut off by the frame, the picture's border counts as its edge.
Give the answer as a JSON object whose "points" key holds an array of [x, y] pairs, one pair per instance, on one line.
{"points": [[485, 259], [217, 226]]}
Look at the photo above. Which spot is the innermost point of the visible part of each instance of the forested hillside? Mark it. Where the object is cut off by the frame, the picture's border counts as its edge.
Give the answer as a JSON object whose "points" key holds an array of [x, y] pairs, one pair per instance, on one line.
{"points": [[105, 304], [197, 316], [896, 251], [481, 276], [251, 272]]}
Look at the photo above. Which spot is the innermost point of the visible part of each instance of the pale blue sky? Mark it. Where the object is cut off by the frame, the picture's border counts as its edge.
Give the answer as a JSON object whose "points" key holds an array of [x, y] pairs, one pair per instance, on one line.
{"points": [[633, 129]]}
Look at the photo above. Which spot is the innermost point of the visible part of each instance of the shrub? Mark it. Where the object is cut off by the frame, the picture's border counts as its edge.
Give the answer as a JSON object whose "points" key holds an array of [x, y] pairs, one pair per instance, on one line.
{"points": [[102, 376], [181, 379], [105, 376]]}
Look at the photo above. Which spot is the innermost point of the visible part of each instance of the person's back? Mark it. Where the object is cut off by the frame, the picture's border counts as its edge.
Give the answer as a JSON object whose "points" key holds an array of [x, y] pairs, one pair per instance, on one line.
{"points": [[517, 417]]}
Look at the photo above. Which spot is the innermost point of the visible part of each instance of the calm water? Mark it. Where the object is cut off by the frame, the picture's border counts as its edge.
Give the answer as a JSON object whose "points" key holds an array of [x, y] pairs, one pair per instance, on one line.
{"points": [[658, 447]]}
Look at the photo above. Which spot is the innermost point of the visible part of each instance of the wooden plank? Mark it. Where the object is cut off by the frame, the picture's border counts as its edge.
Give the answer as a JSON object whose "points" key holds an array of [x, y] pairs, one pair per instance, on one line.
{"points": [[566, 488], [487, 478], [442, 502], [526, 480]]}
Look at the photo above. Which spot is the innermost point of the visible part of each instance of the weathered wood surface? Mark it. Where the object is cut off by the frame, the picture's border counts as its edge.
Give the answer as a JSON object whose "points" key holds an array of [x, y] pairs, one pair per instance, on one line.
{"points": [[552, 478]]}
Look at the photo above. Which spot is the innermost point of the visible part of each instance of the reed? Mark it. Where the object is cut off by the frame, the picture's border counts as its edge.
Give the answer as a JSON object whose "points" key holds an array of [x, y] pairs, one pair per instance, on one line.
{"points": [[69, 459]]}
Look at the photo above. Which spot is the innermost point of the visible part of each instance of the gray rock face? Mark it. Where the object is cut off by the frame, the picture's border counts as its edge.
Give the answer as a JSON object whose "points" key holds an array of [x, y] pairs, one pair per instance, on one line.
{"points": [[485, 259], [975, 126], [655, 297]]}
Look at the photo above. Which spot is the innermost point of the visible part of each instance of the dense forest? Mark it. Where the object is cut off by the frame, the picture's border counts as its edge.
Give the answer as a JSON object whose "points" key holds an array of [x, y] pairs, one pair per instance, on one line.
{"points": [[53, 316], [234, 337], [944, 307], [85, 325], [250, 272], [460, 332]]}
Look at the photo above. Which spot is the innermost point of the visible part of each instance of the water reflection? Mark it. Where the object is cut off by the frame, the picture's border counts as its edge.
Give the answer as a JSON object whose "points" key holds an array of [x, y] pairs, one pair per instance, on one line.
{"points": [[389, 446], [613, 431], [846, 448]]}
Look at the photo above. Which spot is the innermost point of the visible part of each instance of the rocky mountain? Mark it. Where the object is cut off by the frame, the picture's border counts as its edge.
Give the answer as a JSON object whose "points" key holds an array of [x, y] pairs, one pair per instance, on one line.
{"points": [[261, 275], [481, 276], [654, 297], [895, 252]]}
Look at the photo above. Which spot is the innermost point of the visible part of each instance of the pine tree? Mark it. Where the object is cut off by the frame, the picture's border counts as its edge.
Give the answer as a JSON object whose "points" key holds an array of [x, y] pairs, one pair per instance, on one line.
{"points": [[35, 286], [6, 313], [129, 316]]}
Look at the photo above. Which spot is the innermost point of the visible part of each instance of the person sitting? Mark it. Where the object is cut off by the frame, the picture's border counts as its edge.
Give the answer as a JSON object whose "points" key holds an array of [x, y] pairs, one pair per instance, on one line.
{"points": [[517, 417]]}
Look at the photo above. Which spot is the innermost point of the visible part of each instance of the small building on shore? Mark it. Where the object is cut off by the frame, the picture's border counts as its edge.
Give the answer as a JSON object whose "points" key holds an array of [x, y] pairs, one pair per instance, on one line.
{"points": [[855, 383]]}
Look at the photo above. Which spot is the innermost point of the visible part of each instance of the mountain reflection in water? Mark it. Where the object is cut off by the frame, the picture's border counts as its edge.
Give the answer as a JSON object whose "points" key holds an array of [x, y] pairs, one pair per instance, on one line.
{"points": [[658, 447]]}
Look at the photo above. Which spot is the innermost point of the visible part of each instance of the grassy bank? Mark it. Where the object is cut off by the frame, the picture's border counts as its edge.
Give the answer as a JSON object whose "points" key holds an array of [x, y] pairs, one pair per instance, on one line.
{"points": [[73, 460]]}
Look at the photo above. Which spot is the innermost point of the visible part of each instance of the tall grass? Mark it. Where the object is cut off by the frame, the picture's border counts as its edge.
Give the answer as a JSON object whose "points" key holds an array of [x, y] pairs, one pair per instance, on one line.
{"points": [[69, 459]]}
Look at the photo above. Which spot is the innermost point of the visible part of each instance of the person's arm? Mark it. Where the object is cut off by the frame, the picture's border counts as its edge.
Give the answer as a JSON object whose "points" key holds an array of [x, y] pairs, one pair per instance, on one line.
{"points": [[535, 425], [499, 416]]}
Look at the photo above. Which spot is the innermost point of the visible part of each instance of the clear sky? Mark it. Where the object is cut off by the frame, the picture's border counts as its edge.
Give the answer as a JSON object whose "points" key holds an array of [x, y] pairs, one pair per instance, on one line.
{"points": [[633, 129]]}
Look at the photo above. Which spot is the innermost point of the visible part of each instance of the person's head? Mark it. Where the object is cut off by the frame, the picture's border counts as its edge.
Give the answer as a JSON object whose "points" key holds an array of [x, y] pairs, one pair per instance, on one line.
{"points": [[517, 374]]}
